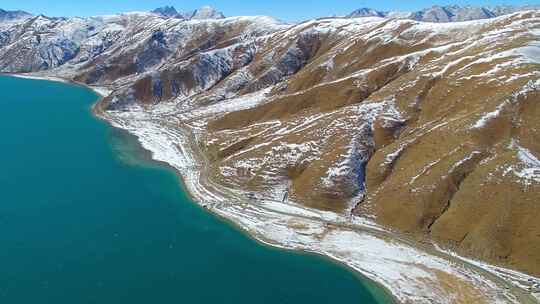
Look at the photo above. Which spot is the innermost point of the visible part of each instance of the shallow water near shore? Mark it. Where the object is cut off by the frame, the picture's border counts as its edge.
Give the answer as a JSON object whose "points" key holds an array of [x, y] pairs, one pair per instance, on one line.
{"points": [[87, 217]]}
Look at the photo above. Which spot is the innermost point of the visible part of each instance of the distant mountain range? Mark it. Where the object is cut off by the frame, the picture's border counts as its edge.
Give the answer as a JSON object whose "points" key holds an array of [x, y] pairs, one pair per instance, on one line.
{"points": [[205, 12], [450, 13]]}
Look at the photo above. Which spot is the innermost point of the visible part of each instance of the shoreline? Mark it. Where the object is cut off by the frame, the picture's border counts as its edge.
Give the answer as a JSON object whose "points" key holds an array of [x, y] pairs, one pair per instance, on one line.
{"points": [[102, 92], [268, 222], [372, 285]]}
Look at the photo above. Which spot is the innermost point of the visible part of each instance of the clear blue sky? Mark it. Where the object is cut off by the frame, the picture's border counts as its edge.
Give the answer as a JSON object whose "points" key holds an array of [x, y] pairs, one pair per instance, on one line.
{"points": [[290, 10]]}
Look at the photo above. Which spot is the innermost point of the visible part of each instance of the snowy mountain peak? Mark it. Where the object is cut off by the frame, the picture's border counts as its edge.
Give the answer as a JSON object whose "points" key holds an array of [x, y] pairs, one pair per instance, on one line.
{"points": [[166, 11], [207, 12], [366, 12]]}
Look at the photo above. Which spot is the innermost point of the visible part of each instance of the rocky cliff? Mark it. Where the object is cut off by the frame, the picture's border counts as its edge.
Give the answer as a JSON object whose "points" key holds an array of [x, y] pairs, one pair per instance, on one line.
{"points": [[429, 129]]}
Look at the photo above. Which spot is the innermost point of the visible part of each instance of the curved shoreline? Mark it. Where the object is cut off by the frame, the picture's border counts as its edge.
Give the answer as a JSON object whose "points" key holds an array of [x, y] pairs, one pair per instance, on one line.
{"points": [[373, 286], [204, 192], [378, 291]]}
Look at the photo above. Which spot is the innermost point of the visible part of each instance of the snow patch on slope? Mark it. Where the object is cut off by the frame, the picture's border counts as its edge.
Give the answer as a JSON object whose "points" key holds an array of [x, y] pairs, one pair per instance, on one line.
{"points": [[487, 117], [530, 165]]}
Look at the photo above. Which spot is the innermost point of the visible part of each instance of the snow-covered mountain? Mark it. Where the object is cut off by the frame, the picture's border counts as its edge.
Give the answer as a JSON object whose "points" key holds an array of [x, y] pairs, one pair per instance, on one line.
{"points": [[205, 12], [429, 129], [168, 11], [450, 13], [367, 12]]}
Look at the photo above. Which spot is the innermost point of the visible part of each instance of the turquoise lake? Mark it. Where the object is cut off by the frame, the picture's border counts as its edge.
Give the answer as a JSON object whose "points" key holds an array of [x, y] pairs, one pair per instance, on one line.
{"points": [[87, 217]]}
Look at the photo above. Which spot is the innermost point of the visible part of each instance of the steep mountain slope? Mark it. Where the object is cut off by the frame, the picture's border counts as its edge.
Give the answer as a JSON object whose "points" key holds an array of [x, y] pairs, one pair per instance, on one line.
{"points": [[429, 129], [389, 110]]}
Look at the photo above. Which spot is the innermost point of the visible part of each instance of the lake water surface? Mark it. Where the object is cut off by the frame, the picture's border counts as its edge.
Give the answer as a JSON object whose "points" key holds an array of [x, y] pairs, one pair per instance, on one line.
{"points": [[87, 217]]}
